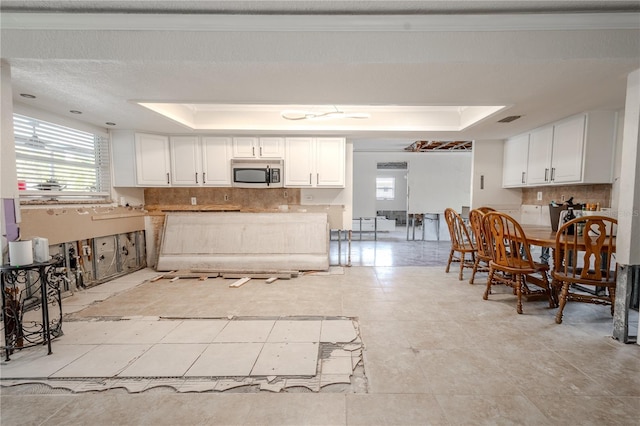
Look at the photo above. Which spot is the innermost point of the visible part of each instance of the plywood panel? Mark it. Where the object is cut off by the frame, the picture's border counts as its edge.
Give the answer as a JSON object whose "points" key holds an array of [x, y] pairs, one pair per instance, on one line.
{"points": [[250, 241]]}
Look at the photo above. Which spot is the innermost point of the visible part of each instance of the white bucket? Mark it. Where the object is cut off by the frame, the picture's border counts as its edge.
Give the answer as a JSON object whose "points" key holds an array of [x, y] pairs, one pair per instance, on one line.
{"points": [[20, 253]]}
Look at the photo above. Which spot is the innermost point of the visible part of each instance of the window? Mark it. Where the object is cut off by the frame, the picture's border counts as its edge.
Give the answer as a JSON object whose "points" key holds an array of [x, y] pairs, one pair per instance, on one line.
{"points": [[385, 188], [60, 162]]}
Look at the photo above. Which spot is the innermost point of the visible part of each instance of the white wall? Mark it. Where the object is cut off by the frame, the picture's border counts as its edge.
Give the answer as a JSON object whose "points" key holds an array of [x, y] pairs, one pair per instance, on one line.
{"points": [[436, 180], [487, 162]]}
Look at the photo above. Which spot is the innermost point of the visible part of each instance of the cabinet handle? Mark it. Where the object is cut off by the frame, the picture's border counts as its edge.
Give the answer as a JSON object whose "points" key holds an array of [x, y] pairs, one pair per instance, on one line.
{"points": [[553, 174], [204, 177], [260, 151], [522, 177], [317, 178], [253, 151], [309, 178], [546, 175], [168, 181], [196, 177]]}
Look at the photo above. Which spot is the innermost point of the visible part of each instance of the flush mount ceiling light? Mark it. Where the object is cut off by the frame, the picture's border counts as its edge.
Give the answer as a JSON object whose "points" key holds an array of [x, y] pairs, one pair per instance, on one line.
{"points": [[309, 115]]}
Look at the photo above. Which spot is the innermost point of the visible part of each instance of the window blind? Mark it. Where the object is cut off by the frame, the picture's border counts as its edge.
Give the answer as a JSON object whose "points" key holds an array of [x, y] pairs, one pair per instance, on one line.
{"points": [[50, 157]]}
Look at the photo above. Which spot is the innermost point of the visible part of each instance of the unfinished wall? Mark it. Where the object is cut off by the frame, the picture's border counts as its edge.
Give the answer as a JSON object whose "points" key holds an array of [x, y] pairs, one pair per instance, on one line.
{"points": [[62, 224]]}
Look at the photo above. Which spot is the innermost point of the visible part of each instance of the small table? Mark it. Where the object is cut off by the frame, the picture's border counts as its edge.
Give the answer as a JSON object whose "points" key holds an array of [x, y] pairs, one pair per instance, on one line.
{"points": [[25, 291]]}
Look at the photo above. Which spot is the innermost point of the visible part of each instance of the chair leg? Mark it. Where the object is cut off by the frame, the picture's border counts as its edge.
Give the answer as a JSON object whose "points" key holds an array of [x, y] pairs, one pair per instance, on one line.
{"points": [[519, 283], [563, 301], [450, 260], [475, 269], [485, 296], [552, 302], [612, 297], [463, 256]]}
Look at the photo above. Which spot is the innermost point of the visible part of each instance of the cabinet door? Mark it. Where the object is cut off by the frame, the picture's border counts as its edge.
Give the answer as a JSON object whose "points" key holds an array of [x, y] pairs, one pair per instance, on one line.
{"points": [[568, 143], [298, 161], [185, 160], [271, 148], [539, 164], [216, 161], [123, 157], [152, 160], [245, 147], [330, 162], [515, 161]]}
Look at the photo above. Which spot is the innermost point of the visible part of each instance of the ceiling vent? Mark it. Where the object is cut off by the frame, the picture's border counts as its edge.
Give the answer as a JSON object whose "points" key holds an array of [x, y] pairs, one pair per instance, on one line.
{"points": [[509, 119], [424, 146]]}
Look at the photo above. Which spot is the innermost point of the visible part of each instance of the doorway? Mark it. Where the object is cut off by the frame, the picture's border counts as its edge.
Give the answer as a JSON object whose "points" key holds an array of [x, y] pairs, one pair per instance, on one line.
{"points": [[392, 198]]}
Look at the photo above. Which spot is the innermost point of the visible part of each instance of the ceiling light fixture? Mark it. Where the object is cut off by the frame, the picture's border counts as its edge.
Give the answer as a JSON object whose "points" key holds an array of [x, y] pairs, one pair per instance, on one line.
{"points": [[295, 115]]}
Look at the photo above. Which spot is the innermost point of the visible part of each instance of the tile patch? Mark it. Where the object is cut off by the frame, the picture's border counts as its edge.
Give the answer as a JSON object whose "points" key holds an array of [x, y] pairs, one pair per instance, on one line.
{"points": [[287, 359], [238, 354]]}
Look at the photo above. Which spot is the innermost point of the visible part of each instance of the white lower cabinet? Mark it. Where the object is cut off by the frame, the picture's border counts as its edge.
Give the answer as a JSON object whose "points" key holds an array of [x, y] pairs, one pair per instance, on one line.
{"points": [[314, 162], [152, 160]]}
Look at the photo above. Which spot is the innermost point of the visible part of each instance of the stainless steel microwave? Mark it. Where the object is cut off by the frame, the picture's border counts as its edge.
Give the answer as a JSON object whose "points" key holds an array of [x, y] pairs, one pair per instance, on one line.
{"points": [[262, 173]]}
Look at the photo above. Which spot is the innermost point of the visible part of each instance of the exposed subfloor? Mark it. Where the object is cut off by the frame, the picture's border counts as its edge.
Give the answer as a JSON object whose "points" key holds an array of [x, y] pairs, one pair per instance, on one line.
{"points": [[434, 352]]}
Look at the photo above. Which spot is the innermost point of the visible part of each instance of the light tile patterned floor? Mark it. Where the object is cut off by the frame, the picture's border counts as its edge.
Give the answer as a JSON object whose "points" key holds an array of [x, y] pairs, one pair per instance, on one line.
{"points": [[434, 353]]}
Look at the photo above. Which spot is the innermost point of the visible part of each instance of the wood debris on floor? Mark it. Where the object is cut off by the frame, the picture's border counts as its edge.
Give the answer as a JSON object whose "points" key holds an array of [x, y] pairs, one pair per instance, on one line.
{"points": [[241, 277]]}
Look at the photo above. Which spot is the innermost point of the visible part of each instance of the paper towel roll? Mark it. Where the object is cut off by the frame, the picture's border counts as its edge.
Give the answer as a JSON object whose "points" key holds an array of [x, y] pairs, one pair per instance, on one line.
{"points": [[20, 253]]}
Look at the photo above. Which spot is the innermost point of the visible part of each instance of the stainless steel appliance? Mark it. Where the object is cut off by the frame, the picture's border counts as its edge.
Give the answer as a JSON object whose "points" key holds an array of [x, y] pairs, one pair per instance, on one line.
{"points": [[259, 173]]}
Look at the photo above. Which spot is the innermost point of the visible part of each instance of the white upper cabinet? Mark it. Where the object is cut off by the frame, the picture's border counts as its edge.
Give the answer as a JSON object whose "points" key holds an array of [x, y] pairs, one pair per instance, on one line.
{"points": [[185, 160], [330, 162], [252, 147], [579, 149], [299, 162], [540, 149], [216, 164], [514, 162], [271, 147], [152, 160], [123, 157], [568, 143], [314, 162], [200, 161]]}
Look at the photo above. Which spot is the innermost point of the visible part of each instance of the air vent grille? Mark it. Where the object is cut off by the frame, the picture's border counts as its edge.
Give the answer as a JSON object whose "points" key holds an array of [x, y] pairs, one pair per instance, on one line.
{"points": [[509, 119]]}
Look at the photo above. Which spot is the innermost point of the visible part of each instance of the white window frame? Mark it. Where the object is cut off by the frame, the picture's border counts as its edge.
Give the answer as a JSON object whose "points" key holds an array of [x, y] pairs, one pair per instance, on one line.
{"points": [[78, 168], [386, 184]]}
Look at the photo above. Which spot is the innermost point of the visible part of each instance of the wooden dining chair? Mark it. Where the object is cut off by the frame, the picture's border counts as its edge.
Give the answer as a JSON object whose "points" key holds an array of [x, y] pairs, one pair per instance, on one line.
{"points": [[511, 262], [483, 254], [584, 256], [486, 209], [461, 243]]}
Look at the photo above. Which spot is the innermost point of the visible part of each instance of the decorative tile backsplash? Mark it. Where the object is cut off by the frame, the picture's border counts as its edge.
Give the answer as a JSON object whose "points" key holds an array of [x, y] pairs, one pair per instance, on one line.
{"points": [[600, 193], [245, 198]]}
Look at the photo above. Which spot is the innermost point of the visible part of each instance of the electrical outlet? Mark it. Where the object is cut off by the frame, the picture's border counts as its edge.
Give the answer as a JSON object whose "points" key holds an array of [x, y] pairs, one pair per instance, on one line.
{"points": [[86, 251], [308, 197], [539, 195], [194, 201], [285, 194], [562, 198], [226, 197]]}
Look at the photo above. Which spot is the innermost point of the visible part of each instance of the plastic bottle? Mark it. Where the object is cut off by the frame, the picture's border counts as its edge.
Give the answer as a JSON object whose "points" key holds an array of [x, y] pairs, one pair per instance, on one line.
{"points": [[569, 216]]}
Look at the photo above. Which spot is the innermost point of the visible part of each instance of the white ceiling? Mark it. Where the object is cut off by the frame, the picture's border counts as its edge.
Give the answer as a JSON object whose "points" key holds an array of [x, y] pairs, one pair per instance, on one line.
{"points": [[421, 53]]}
